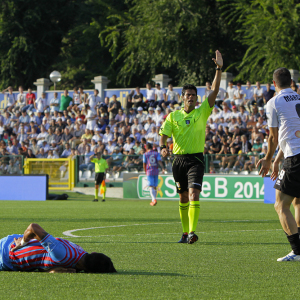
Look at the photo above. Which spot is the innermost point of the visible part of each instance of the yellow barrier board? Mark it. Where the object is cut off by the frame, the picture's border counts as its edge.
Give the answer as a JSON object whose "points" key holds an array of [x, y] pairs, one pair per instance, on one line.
{"points": [[61, 171]]}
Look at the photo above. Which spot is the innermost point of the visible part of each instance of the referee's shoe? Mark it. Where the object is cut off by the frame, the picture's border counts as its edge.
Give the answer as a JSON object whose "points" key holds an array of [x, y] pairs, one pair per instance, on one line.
{"points": [[192, 238]]}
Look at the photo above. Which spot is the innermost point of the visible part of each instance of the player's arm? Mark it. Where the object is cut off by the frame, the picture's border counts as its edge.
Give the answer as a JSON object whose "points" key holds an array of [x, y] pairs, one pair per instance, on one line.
{"points": [[216, 83], [33, 231], [276, 162], [92, 156], [267, 160]]}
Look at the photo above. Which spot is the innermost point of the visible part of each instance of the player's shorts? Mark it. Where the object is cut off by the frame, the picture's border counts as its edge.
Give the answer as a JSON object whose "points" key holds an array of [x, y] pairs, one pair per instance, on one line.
{"points": [[188, 171], [288, 180], [152, 180], [99, 178]]}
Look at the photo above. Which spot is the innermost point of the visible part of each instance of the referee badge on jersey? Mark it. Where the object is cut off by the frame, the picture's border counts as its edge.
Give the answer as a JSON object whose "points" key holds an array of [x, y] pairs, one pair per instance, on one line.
{"points": [[187, 122]]}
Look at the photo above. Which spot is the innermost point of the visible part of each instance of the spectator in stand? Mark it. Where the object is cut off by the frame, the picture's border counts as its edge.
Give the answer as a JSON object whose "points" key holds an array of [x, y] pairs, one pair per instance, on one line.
{"points": [[257, 146], [258, 94], [220, 97], [128, 145], [226, 113], [11, 149], [212, 125], [238, 95], [141, 116], [82, 147], [98, 136], [234, 112], [158, 117], [87, 164], [232, 124], [241, 125], [66, 116], [136, 125], [244, 114], [137, 147], [83, 96], [32, 134], [261, 113], [35, 148], [102, 126], [208, 89], [30, 100], [66, 136], [294, 87], [7, 119], [65, 101], [150, 95], [256, 134], [67, 151], [70, 126], [94, 100], [76, 99], [10, 98], [114, 107], [30, 153], [150, 123], [110, 147], [245, 146], [250, 164], [21, 99], [42, 136], [230, 94], [249, 95], [120, 117], [172, 96], [55, 149], [131, 115], [137, 100], [268, 93], [24, 118], [215, 146], [129, 101], [215, 115], [153, 137], [52, 154], [40, 103], [108, 136], [261, 125], [90, 117], [160, 97], [58, 136], [41, 153]]}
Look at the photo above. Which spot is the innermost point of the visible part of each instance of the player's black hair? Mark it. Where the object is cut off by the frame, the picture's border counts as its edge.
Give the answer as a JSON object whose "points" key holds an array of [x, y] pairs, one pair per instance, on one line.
{"points": [[282, 77], [149, 146], [188, 87], [99, 263]]}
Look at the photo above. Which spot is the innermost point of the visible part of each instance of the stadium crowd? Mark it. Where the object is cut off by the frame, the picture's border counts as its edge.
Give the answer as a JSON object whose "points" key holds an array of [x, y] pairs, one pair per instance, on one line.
{"points": [[236, 132]]}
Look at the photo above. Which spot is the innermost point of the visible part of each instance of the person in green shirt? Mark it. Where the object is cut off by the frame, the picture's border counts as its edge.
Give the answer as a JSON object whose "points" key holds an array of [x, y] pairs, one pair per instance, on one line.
{"points": [[187, 128], [100, 169], [65, 101]]}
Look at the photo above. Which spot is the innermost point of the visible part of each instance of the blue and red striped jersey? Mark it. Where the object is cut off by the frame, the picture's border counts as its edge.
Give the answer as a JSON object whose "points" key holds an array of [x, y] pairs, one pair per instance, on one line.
{"points": [[36, 256], [151, 158]]}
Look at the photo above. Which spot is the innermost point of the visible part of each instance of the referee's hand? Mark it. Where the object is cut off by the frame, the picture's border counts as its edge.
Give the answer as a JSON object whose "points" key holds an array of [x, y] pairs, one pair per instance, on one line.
{"points": [[164, 152], [265, 166]]}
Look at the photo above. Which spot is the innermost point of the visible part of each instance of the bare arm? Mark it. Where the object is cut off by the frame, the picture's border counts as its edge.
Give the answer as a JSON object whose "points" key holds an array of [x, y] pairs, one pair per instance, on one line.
{"points": [[216, 83], [277, 160], [272, 144]]}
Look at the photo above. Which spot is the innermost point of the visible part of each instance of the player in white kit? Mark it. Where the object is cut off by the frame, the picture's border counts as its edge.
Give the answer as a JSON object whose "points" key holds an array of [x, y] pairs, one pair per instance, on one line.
{"points": [[283, 112]]}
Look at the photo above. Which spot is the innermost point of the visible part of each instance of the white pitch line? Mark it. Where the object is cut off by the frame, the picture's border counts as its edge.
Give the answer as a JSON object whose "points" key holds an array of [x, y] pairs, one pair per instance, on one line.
{"points": [[69, 232]]}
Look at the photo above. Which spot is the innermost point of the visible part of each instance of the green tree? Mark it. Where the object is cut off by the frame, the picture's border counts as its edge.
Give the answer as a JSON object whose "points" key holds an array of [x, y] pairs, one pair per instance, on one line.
{"points": [[270, 31], [172, 36], [30, 38]]}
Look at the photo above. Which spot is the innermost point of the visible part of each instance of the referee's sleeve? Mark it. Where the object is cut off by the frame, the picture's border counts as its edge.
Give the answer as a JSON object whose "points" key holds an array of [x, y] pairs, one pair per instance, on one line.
{"points": [[166, 127]]}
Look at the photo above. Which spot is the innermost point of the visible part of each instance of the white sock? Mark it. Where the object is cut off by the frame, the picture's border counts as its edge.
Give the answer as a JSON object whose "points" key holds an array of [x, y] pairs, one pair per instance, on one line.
{"points": [[153, 193]]}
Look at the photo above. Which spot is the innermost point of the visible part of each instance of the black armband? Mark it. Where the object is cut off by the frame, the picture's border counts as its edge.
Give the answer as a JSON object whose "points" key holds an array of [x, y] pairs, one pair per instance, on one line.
{"points": [[218, 69]]}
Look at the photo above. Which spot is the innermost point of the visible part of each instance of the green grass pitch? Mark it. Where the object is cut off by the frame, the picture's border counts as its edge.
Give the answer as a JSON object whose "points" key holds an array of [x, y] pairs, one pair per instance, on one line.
{"points": [[235, 257]]}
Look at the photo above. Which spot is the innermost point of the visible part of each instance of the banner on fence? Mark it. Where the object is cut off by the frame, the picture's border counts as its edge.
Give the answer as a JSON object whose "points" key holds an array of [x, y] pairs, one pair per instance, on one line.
{"points": [[215, 187]]}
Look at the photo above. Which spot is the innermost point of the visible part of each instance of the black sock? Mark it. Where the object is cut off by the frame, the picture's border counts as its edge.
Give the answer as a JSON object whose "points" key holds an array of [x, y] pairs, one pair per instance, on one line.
{"points": [[295, 243]]}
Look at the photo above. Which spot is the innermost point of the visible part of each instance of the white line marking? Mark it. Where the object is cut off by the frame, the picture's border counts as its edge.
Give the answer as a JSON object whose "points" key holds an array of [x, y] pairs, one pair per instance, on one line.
{"points": [[69, 233]]}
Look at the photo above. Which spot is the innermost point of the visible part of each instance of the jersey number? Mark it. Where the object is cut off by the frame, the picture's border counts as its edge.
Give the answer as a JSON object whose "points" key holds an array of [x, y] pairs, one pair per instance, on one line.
{"points": [[152, 159]]}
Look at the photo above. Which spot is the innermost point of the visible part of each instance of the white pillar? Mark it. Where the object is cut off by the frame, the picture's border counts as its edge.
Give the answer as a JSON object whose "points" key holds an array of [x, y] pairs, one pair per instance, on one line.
{"points": [[162, 79], [101, 83], [225, 78], [42, 85], [295, 75]]}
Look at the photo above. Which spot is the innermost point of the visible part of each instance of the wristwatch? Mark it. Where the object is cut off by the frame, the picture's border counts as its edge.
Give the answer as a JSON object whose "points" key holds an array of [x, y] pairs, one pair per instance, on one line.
{"points": [[218, 69]]}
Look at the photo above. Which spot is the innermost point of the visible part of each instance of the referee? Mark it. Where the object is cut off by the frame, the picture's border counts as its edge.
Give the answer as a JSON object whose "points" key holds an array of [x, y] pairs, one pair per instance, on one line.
{"points": [[187, 127], [100, 169]]}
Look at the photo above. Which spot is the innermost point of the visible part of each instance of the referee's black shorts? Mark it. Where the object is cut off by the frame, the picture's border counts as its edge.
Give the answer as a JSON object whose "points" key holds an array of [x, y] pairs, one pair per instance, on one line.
{"points": [[99, 178], [188, 171], [288, 180]]}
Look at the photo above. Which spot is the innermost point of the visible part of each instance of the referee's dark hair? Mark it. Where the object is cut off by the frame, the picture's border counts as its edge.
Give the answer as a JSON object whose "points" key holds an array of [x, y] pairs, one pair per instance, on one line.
{"points": [[149, 146], [188, 87], [282, 77]]}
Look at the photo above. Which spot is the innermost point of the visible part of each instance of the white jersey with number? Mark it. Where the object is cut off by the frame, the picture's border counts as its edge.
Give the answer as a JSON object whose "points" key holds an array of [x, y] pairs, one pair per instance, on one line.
{"points": [[283, 111]]}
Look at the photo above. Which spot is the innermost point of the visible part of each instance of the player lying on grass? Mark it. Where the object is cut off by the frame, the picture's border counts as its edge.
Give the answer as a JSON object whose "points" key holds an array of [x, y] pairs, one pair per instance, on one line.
{"points": [[38, 250]]}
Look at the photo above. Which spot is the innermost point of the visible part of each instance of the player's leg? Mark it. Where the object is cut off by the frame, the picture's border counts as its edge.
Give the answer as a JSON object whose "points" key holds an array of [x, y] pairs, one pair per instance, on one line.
{"points": [[153, 182], [180, 178], [288, 223], [98, 181], [195, 178], [296, 204]]}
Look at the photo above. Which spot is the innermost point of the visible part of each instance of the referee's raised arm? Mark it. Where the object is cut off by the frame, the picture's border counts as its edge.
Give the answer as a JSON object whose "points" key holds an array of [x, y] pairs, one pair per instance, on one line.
{"points": [[216, 83]]}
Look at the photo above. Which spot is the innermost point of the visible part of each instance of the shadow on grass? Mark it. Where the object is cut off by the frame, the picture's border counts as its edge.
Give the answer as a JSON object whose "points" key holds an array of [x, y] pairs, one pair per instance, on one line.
{"points": [[144, 273]]}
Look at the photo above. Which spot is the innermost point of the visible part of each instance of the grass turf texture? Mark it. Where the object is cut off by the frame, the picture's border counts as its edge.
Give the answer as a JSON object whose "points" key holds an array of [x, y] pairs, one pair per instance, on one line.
{"points": [[235, 257]]}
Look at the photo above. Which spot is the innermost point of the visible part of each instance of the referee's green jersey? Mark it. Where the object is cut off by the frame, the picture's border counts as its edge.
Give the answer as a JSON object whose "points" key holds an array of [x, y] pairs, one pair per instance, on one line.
{"points": [[188, 130], [100, 165]]}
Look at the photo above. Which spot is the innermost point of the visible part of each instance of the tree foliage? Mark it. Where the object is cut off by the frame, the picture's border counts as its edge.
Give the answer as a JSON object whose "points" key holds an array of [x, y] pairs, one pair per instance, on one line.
{"points": [[270, 31], [156, 36], [30, 37]]}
